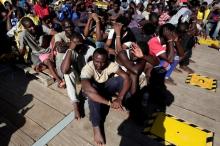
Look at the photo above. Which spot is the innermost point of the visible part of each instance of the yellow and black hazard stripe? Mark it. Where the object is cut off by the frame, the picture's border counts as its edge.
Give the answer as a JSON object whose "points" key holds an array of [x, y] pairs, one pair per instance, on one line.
{"points": [[210, 137], [188, 79], [160, 140], [149, 124], [213, 86]]}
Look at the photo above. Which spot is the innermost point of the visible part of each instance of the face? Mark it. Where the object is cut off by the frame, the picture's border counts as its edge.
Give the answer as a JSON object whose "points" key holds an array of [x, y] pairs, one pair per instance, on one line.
{"points": [[116, 7], [26, 8], [111, 4], [149, 8], [19, 15], [8, 6], [68, 28], [100, 62], [160, 9], [30, 27]]}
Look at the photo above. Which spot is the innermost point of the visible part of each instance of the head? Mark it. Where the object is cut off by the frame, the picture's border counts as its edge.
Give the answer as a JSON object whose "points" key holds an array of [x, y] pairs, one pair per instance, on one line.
{"points": [[154, 18], [217, 10], [42, 3], [8, 5], [100, 59], [68, 27], [28, 24], [116, 6], [47, 21], [149, 8], [111, 5], [78, 40], [205, 4], [132, 4], [149, 29], [19, 13], [182, 28], [125, 21], [103, 15], [27, 7], [160, 8], [170, 27], [128, 15], [140, 7]]}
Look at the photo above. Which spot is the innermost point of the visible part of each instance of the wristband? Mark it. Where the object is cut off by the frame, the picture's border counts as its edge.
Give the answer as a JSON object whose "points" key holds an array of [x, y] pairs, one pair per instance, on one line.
{"points": [[170, 41], [118, 36]]}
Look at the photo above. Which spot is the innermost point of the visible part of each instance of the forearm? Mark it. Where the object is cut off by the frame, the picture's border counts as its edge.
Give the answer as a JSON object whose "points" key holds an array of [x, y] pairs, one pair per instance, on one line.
{"points": [[92, 93], [170, 55], [96, 97], [118, 43], [125, 88], [152, 60], [98, 31], [65, 66], [87, 28], [8, 25]]}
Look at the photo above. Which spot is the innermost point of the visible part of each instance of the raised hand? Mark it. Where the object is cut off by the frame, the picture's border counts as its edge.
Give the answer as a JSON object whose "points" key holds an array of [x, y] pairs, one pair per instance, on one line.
{"points": [[117, 27], [95, 17], [136, 50]]}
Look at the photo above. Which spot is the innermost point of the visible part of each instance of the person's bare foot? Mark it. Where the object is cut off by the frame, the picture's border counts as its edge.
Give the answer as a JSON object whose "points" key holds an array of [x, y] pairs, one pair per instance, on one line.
{"points": [[98, 138], [61, 84], [187, 69], [76, 110], [170, 81]]}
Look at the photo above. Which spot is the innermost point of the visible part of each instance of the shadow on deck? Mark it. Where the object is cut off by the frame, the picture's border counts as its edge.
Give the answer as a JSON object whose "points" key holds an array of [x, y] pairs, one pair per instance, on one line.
{"points": [[13, 102]]}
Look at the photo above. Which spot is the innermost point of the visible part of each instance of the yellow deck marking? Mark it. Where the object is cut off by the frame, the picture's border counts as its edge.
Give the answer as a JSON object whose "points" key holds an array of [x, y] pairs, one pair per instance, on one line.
{"points": [[178, 133], [208, 42], [202, 81]]}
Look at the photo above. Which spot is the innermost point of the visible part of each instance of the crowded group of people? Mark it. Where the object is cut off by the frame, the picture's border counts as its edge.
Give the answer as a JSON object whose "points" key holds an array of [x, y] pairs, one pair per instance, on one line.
{"points": [[112, 47]]}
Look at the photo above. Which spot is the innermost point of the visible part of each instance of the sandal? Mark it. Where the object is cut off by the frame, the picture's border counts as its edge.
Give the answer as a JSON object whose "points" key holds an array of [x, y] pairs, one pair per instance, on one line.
{"points": [[61, 84]]}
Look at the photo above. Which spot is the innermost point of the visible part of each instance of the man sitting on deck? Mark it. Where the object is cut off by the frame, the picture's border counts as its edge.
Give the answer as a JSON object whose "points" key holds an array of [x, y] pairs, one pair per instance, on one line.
{"points": [[33, 37], [99, 85]]}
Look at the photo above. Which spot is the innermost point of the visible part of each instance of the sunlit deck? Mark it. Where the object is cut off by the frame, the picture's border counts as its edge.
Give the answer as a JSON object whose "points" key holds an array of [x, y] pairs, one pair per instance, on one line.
{"points": [[28, 110]]}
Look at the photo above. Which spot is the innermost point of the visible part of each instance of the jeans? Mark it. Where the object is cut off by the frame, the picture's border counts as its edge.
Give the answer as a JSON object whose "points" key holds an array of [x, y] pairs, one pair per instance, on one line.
{"points": [[209, 26], [98, 111], [172, 67], [169, 67]]}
